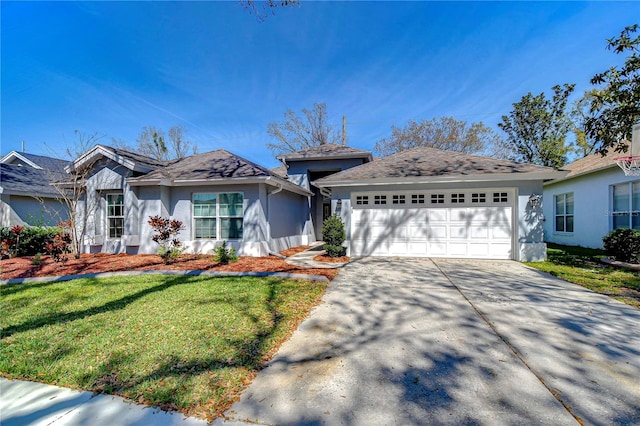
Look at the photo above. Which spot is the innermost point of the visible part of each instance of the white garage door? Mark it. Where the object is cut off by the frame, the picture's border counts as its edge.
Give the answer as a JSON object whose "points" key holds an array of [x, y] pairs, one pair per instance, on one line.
{"points": [[473, 224]]}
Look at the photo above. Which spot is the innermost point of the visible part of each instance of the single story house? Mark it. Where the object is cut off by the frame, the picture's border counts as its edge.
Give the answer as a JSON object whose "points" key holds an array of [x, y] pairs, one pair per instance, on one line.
{"points": [[422, 202], [26, 194], [593, 199]]}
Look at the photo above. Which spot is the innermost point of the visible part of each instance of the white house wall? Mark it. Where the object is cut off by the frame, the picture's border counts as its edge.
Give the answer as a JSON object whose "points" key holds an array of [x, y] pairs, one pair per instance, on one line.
{"points": [[592, 209]]}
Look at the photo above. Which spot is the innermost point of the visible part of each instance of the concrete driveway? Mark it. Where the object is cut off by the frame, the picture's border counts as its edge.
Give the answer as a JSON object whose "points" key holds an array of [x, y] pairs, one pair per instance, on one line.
{"points": [[446, 341]]}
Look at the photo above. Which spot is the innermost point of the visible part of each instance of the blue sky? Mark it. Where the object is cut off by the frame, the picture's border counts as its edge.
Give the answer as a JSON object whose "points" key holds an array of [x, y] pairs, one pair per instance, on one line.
{"points": [[212, 67]]}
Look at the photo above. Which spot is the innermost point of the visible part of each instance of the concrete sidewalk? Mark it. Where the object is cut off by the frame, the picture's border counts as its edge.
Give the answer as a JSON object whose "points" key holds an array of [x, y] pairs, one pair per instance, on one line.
{"points": [[29, 403], [305, 259]]}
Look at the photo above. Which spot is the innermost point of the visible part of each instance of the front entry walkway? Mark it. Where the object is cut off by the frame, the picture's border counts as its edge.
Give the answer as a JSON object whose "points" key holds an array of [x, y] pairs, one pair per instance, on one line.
{"points": [[458, 342]]}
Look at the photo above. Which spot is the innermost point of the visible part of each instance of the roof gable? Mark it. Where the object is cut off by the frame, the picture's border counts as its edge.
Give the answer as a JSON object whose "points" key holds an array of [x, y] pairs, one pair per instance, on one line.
{"points": [[130, 160], [326, 151], [34, 161], [425, 163]]}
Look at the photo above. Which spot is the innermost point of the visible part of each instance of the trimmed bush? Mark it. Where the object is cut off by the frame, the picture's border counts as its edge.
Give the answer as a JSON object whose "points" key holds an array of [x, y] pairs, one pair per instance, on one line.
{"points": [[623, 245], [30, 241], [333, 234]]}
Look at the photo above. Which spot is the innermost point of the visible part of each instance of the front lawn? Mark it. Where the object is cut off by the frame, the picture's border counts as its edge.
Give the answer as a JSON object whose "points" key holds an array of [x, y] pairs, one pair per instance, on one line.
{"points": [[582, 266], [184, 343]]}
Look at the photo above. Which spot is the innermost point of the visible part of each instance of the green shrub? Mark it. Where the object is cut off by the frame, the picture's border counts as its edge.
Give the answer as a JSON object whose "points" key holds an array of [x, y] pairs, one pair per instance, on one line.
{"points": [[29, 241], [623, 245], [224, 254], [333, 234]]}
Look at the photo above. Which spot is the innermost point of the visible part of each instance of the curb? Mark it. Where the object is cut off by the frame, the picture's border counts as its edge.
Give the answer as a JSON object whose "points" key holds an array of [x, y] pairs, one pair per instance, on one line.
{"points": [[309, 277]]}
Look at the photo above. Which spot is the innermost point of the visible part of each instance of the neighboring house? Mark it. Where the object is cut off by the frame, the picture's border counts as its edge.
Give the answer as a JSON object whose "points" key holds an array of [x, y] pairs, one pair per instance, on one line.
{"points": [[423, 202], [26, 194], [593, 199]]}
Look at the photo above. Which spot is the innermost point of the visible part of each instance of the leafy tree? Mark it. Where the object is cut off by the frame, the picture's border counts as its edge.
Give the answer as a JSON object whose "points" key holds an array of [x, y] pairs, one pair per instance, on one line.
{"points": [[267, 5], [296, 133], [584, 143], [153, 143], [615, 104], [537, 127], [443, 133]]}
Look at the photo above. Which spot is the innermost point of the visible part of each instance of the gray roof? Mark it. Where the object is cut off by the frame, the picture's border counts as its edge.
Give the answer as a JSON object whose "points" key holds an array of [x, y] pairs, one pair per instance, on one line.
{"points": [[27, 180], [431, 162], [218, 164], [47, 163], [137, 158], [280, 171], [325, 151]]}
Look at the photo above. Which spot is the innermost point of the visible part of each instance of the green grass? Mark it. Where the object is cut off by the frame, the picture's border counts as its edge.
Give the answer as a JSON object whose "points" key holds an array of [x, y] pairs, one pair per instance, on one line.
{"points": [[184, 343], [582, 266]]}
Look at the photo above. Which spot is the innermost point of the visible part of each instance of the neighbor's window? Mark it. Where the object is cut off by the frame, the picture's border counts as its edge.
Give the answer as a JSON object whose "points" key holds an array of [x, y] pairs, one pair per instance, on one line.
{"points": [[115, 215], [564, 212], [218, 216], [626, 205]]}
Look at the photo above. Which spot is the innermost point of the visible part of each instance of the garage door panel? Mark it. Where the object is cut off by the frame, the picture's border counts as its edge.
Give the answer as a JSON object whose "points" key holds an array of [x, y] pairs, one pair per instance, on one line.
{"points": [[445, 231]]}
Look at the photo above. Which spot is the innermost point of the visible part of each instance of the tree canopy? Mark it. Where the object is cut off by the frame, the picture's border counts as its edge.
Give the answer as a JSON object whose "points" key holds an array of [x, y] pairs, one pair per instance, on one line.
{"points": [[152, 142], [443, 133], [295, 133], [537, 127], [615, 103]]}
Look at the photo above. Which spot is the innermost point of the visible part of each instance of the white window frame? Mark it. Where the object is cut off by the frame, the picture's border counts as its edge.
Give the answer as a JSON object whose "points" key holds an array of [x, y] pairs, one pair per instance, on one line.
{"points": [[218, 217], [564, 215], [108, 217], [630, 212]]}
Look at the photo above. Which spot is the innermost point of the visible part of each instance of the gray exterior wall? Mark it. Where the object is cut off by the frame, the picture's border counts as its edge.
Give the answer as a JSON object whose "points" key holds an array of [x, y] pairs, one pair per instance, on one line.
{"points": [[297, 170], [288, 217], [25, 210], [528, 220]]}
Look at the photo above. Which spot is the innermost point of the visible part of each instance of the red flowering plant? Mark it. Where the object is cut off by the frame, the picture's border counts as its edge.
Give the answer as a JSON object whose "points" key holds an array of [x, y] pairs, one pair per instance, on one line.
{"points": [[166, 235]]}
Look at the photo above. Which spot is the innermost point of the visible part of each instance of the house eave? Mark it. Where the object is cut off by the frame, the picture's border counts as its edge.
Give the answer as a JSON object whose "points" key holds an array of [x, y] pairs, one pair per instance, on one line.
{"points": [[443, 179], [586, 172], [326, 157], [14, 154], [100, 150], [269, 180]]}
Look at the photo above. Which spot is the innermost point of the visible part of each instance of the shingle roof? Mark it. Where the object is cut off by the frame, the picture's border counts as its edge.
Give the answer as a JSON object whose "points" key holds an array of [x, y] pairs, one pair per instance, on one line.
{"points": [[210, 165], [327, 150], [431, 162], [591, 163], [280, 171], [47, 163], [137, 158], [27, 180]]}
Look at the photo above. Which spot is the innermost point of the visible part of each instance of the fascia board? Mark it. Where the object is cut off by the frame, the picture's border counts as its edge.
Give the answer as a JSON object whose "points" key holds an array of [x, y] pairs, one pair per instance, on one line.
{"points": [[14, 154], [587, 172], [325, 157], [223, 181], [100, 150], [494, 177]]}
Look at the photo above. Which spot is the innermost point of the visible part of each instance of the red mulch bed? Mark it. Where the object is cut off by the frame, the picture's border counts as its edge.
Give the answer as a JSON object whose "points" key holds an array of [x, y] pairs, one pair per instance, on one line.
{"points": [[293, 250], [22, 267], [325, 258]]}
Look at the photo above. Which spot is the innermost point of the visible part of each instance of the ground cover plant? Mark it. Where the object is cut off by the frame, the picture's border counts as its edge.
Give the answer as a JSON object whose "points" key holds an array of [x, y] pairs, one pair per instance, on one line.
{"points": [[582, 266], [183, 343]]}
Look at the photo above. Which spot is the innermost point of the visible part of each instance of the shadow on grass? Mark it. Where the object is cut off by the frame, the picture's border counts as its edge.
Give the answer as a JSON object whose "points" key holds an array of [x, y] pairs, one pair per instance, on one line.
{"points": [[58, 318]]}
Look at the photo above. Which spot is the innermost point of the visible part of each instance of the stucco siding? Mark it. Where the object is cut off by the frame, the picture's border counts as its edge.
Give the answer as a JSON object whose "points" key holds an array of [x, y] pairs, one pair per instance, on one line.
{"points": [[592, 207], [287, 216], [25, 210]]}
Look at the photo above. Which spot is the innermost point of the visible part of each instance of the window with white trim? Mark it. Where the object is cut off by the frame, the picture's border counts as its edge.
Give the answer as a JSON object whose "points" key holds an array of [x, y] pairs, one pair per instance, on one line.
{"points": [[479, 197], [115, 215], [564, 212], [379, 199], [362, 200], [437, 198], [398, 199], [500, 197], [626, 205], [218, 216], [417, 199], [457, 198]]}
